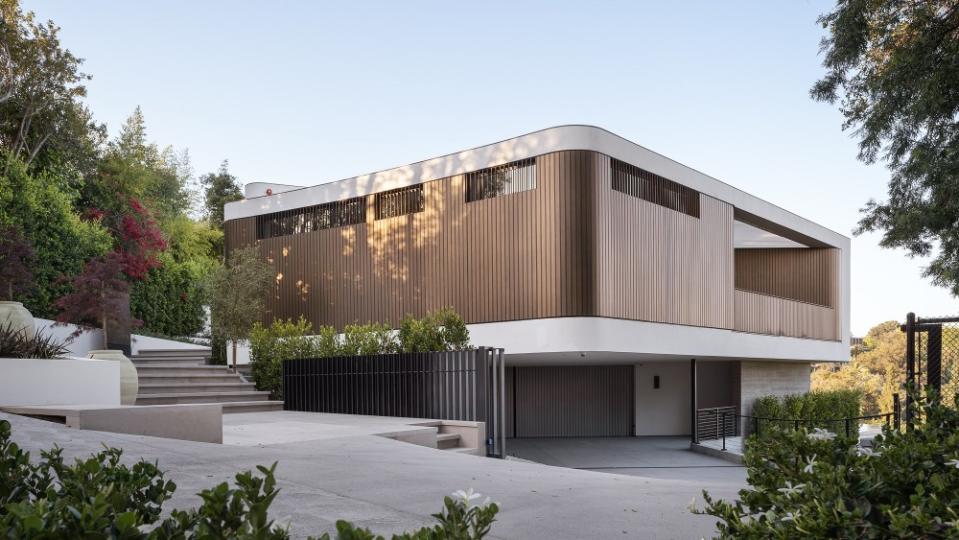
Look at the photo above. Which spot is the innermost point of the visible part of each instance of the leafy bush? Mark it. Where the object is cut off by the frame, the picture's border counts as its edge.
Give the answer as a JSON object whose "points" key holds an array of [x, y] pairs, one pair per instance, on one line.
{"points": [[442, 330], [813, 408], [170, 300], [99, 497], [15, 343], [62, 242], [270, 345], [813, 484]]}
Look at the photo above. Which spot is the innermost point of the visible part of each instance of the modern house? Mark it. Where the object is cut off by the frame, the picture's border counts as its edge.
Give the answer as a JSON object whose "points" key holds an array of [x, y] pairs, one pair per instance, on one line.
{"points": [[617, 279]]}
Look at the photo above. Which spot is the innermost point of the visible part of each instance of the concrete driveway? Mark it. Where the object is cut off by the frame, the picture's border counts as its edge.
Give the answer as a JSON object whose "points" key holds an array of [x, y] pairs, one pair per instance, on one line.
{"points": [[651, 457], [391, 486]]}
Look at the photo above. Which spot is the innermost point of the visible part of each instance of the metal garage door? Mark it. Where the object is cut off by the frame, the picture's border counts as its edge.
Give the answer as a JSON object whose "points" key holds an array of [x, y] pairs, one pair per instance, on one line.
{"points": [[570, 401]]}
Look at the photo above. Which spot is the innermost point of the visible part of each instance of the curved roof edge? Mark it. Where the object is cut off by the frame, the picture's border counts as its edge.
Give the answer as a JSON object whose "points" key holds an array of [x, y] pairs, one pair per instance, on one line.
{"points": [[553, 139]]}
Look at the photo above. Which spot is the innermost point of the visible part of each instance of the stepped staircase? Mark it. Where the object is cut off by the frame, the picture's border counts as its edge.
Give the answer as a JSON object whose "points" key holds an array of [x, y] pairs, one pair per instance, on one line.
{"points": [[174, 376]]}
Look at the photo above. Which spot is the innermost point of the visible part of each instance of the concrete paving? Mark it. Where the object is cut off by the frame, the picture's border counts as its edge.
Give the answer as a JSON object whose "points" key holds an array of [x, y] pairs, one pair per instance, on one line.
{"points": [[326, 474], [667, 458]]}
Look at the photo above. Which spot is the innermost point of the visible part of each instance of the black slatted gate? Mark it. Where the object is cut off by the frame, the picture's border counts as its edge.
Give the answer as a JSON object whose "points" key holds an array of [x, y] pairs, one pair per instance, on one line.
{"points": [[452, 385]]}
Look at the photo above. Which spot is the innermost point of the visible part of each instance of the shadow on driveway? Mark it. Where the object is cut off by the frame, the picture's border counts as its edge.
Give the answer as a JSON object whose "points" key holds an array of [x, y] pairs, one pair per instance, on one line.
{"points": [[653, 457]]}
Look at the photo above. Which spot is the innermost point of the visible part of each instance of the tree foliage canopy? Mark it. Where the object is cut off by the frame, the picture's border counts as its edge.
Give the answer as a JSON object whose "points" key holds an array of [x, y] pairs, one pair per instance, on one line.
{"points": [[877, 369], [893, 68]]}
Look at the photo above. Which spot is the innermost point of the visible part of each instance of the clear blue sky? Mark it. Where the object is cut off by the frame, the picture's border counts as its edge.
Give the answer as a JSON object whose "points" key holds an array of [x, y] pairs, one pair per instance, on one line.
{"points": [[309, 92]]}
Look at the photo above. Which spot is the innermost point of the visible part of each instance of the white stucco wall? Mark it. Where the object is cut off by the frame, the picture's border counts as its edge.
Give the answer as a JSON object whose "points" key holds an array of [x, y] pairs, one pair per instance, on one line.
{"points": [[26, 382], [91, 339], [662, 411]]}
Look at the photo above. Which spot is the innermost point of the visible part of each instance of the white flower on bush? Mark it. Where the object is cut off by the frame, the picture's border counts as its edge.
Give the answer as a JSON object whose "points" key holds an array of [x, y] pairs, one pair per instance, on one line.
{"points": [[953, 463], [867, 452], [790, 516], [467, 497], [810, 463], [819, 434], [790, 489]]}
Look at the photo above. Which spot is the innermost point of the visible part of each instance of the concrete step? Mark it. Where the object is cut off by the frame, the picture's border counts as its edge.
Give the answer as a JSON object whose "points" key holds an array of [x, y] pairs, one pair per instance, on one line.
{"points": [[168, 363], [149, 387], [446, 441], [164, 378], [204, 353], [184, 370], [252, 406], [201, 397]]}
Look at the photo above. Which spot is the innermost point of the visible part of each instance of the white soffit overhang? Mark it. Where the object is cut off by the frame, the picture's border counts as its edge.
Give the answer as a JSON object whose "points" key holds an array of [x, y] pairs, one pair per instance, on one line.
{"points": [[745, 236]]}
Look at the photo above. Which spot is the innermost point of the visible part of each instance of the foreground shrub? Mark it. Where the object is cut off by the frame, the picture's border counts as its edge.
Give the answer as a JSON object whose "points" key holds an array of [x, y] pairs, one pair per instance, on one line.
{"points": [[98, 497], [815, 484], [815, 409]]}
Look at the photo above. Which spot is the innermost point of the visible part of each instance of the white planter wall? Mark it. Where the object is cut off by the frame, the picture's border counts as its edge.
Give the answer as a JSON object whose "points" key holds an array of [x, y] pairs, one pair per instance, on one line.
{"points": [[81, 345], [138, 343], [72, 381]]}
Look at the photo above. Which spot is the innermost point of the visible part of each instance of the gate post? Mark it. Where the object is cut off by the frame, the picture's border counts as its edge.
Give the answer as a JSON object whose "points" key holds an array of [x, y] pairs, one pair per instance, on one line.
{"points": [[694, 403], [910, 329], [934, 358]]}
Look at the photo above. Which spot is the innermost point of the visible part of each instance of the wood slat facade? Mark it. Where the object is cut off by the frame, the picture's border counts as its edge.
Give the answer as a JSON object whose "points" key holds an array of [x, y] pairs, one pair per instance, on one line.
{"points": [[571, 246]]}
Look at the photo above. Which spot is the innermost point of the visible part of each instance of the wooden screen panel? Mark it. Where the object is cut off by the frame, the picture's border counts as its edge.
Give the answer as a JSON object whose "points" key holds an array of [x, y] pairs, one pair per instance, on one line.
{"points": [[804, 274], [657, 264], [239, 233], [763, 314]]}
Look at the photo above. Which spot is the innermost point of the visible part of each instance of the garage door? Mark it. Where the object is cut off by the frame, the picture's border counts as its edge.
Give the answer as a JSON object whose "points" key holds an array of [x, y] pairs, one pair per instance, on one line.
{"points": [[570, 401]]}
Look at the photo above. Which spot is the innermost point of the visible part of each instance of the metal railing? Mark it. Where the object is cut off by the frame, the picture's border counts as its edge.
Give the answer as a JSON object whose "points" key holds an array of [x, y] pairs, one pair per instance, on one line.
{"points": [[716, 423]]}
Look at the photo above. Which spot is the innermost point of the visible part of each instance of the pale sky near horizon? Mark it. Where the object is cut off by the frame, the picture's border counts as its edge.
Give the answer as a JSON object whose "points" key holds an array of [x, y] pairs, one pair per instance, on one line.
{"points": [[309, 92]]}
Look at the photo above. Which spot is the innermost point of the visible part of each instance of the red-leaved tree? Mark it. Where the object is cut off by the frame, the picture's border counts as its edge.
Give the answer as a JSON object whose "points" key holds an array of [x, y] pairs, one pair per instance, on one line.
{"points": [[16, 254], [97, 294]]}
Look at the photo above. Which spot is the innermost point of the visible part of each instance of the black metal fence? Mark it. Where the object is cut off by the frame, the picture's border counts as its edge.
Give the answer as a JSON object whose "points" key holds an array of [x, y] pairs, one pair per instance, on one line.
{"points": [[932, 357], [454, 385]]}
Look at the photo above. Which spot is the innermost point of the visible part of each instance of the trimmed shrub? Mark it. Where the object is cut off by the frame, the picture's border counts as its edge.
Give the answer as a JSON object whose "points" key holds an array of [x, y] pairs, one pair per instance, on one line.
{"points": [[442, 330], [99, 497], [813, 408], [814, 484], [270, 345], [170, 300]]}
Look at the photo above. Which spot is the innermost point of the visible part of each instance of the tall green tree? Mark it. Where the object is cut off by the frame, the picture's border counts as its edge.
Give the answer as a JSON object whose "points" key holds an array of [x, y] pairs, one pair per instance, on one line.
{"points": [[43, 122], [235, 292], [893, 69], [220, 188]]}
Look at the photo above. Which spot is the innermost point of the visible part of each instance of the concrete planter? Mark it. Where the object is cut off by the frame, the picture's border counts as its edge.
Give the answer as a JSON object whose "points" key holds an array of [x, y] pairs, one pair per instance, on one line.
{"points": [[66, 381], [129, 381], [13, 313]]}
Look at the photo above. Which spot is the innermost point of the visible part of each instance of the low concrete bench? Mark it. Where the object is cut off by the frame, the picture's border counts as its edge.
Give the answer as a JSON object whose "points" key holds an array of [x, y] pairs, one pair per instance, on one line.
{"points": [[193, 422]]}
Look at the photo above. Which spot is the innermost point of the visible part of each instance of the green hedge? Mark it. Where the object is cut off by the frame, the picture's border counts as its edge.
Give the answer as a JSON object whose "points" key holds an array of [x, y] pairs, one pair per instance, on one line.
{"points": [[169, 301], [442, 330], [813, 408]]}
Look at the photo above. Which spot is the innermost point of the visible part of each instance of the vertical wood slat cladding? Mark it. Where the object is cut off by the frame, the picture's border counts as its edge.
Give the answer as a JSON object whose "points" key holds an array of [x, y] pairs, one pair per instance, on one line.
{"points": [[763, 314], [518, 256], [570, 247], [805, 274], [658, 264]]}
